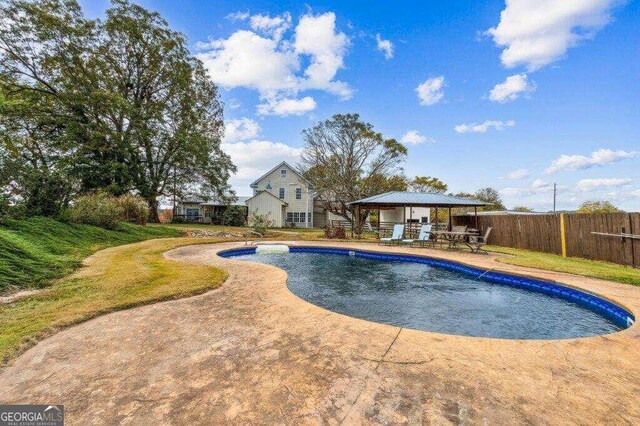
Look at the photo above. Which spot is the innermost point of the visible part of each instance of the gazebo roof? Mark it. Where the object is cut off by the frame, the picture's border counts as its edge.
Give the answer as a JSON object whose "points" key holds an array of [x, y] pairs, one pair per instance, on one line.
{"points": [[416, 199]]}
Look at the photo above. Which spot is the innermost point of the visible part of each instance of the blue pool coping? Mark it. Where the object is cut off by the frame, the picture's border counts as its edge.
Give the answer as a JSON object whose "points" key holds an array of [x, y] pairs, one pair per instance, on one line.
{"points": [[613, 312]]}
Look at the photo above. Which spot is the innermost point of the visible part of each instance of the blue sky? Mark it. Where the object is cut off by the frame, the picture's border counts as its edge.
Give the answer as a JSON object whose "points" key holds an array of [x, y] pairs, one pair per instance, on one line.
{"points": [[515, 96]]}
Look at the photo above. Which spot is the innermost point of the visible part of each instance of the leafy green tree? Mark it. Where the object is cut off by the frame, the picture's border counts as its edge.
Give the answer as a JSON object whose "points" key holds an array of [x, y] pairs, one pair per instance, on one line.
{"points": [[428, 184], [523, 209], [347, 160], [116, 104], [491, 196], [598, 207]]}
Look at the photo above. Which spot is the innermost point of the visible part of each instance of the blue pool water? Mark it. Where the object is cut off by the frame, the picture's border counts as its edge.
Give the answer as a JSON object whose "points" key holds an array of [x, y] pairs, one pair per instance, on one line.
{"points": [[422, 296]]}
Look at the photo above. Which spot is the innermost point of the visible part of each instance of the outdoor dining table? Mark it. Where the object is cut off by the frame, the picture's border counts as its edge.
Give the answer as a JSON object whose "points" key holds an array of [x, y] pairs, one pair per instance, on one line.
{"points": [[453, 238]]}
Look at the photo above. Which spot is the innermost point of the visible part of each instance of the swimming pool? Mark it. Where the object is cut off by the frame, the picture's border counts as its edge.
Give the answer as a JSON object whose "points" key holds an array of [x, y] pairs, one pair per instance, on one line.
{"points": [[440, 296]]}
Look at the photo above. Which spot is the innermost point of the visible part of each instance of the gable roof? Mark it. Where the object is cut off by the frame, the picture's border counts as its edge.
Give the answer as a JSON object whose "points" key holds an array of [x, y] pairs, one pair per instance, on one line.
{"points": [[266, 192], [400, 198], [284, 163]]}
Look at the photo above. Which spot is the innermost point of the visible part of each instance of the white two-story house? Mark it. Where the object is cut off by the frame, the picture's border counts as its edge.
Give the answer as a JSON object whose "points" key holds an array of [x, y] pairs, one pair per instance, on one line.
{"points": [[285, 196]]}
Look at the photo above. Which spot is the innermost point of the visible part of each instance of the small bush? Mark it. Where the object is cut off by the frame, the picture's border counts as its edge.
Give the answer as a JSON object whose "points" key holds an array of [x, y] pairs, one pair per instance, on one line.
{"points": [[234, 216], [260, 222], [134, 209], [335, 232], [106, 211]]}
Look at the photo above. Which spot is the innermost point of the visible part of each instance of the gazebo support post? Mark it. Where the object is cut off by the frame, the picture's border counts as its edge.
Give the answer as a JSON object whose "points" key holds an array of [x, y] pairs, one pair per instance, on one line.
{"points": [[411, 220], [379, 211], [475, 213], [449, 219], [437, 218]]}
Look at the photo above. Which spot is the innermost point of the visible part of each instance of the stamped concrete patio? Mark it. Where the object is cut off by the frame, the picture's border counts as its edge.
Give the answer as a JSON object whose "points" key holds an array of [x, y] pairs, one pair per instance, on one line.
{"points": [[252, 352]]}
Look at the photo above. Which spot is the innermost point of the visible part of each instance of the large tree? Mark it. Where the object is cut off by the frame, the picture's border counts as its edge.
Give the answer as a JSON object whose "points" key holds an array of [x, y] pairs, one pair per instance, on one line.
{"points": [[598, 207], [120, 101], [346, 159], [428, 184]]}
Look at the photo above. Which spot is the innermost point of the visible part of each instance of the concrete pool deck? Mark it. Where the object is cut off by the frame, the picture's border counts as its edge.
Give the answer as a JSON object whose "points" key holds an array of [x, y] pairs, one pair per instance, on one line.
{"points": [[252, 352]]}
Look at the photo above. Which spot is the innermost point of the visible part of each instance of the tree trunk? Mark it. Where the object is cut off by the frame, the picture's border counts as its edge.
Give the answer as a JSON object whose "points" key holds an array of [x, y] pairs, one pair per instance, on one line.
{"points": [[153, 210]]}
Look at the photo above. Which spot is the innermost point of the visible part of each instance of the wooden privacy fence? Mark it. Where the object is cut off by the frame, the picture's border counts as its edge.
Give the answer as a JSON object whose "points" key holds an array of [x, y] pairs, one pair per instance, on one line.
{"points": [[543, 233]]}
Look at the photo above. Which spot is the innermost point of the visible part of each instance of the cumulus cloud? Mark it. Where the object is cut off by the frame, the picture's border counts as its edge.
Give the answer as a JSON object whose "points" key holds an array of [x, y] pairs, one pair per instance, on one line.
{"points": [[385, 46], [240, 129], [316, 36], [511, 89], [253, 157], [517, 174], [256, 157], [265, 60], [535, 33], [430, 92], [284, 107], [587, 185], [483, 127], [413, 137], [537, 186], [597, 158]]}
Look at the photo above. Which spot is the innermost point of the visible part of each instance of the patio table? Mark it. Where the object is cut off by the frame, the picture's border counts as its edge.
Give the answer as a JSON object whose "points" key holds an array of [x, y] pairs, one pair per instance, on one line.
{"points": [[453, 238]]}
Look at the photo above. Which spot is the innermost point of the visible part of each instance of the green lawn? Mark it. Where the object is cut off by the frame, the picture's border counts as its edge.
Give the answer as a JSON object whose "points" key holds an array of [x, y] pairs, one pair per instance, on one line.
{"points": [[36, 250], [114, 279], [571, 265]]}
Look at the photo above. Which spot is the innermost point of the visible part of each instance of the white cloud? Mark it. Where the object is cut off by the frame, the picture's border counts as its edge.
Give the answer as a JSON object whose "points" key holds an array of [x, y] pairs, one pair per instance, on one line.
{"points": [[517, 174], [240, 129], [511, 89], [430, 92], [535, 33], [272, 26], [284, 107], [537, 186], [248, 60], [238, 16], [587, 185], [385, 46], [256, 157], [597, 158], [266, 61], [483, 127], [316, 36], [413, 137]]}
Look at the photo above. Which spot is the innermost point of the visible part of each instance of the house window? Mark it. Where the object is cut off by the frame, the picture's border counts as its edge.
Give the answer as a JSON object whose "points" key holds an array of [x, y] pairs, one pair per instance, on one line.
{"points": [[193, 214], [283, 173], [298, 193], [309, 217], [425, 219], [281, 193], [297, 217]]}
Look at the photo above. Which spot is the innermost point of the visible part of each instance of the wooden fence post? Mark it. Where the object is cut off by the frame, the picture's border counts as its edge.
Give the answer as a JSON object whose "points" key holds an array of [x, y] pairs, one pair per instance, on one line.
{"points": [[563, 236]]}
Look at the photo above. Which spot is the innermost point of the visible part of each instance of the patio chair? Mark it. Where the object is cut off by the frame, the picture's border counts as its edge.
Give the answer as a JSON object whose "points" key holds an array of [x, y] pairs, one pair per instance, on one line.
{"points": [[476, 243], [424, 237], [398, 231]]}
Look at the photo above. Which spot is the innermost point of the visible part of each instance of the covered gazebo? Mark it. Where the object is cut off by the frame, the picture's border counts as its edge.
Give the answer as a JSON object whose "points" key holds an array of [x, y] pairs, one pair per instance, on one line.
{"points": [[395, 199]]}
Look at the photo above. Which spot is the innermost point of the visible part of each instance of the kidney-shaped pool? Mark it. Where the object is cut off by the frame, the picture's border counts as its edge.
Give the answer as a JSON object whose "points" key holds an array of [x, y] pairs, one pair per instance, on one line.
{"points": [[441, 296]]}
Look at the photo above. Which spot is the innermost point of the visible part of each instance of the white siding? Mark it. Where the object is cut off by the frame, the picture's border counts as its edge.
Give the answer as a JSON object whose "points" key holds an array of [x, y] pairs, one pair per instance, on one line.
{"points": [[396, 215], [290, 183], [268, 205]]}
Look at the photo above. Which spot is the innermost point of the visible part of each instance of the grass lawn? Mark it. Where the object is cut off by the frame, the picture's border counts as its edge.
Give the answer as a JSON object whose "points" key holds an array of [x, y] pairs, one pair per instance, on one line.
{"points": [[113, 279], [571, 265], [36, 250]]}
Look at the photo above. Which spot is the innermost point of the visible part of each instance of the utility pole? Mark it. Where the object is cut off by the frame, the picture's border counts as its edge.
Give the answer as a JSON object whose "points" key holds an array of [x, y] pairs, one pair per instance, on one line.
{"points": [[555, 192]]}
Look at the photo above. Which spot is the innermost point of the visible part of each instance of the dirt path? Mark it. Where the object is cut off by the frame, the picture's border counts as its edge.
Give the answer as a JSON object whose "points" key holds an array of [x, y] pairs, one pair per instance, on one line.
{"points": [[252, 352]]}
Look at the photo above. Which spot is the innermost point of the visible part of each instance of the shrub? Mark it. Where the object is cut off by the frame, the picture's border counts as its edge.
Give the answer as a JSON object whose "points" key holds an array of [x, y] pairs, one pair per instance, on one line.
{"points": [[98, 209], [134, 209], [332, 232], [234, 216], [106, 211], [260, 222]]}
